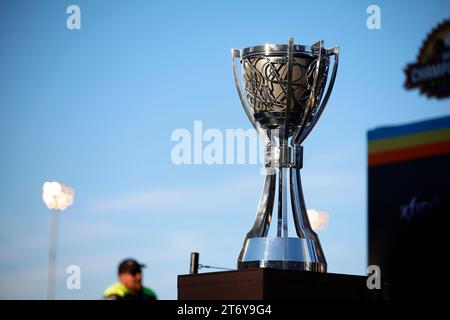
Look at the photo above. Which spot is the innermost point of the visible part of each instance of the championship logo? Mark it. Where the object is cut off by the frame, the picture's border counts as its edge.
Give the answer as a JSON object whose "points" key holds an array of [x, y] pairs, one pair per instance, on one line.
{"points": [[431, 72]]}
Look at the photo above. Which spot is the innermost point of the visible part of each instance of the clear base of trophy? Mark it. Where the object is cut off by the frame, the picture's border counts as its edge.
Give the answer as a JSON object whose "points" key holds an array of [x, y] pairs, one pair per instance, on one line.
{"points": [[281, 253]]}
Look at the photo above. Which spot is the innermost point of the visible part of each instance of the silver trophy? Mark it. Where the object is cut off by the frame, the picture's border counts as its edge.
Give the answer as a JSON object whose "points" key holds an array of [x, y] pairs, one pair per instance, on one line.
{"points": [[284, 93]]}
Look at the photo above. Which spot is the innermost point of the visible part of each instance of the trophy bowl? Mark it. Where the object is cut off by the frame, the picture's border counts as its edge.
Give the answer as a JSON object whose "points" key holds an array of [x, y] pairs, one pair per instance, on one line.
{"points": [[285, 90]]}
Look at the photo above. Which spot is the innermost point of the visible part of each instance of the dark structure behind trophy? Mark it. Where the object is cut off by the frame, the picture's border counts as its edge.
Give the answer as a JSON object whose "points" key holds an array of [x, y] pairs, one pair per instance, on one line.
{"points": [[409, 204]]}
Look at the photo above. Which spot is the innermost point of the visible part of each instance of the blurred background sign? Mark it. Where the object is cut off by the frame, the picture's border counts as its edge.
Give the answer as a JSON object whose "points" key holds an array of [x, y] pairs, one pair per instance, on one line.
{"points": [[409, 203], [431, 72]]}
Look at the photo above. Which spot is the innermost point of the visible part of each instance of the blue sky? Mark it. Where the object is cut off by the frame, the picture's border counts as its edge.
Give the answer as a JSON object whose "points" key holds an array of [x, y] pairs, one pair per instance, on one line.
{"points": [[95, 108]]}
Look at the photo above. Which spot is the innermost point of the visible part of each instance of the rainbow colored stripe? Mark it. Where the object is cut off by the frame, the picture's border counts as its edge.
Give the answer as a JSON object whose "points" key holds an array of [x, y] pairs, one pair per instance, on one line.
{"points": [[408, 142]]}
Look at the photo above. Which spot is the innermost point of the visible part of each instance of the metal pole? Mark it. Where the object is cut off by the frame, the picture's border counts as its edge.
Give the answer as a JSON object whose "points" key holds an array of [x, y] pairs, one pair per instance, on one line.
{"points": [[194, 263], [52, 256]]}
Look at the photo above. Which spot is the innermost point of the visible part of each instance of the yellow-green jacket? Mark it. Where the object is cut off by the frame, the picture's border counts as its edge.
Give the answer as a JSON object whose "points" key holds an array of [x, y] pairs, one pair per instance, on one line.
{"points": [[118, 291]]}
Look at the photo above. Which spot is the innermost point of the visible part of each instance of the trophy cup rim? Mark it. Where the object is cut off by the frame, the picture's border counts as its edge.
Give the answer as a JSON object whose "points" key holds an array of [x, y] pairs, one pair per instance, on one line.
{"points": [[278, 49]]}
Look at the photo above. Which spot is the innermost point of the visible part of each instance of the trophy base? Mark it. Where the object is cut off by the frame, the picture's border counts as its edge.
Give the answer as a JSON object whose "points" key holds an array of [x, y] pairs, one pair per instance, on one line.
{"points": [[270, 284], [282, 253]]}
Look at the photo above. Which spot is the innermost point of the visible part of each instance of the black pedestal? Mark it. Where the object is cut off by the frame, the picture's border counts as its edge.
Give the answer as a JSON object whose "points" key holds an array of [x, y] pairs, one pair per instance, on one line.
{"points": [[259, 284]]}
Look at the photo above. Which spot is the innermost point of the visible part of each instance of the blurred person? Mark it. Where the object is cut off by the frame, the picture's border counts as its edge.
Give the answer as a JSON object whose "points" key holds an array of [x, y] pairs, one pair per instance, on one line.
{"points": [[130, 285]]}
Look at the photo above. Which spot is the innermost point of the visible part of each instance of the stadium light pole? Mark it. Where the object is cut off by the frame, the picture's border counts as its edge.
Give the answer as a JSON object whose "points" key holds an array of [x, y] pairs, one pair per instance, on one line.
{"points": [[56, 196]]}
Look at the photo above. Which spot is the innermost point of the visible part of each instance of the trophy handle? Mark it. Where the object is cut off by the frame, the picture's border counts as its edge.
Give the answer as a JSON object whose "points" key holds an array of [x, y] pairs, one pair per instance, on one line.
{"points": [[301, 136], [302, 224], [318, 47], [264, 133]]}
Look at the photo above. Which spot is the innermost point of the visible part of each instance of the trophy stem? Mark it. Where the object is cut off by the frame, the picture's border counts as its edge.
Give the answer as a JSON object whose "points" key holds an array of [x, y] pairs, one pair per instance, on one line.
{"points": [[282, 228], [281, 203], [303, 252]]}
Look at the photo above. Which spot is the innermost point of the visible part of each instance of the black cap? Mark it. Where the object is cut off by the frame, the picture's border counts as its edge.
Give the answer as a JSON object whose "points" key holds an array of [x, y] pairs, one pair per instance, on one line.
{"points": [[130, 266]]}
